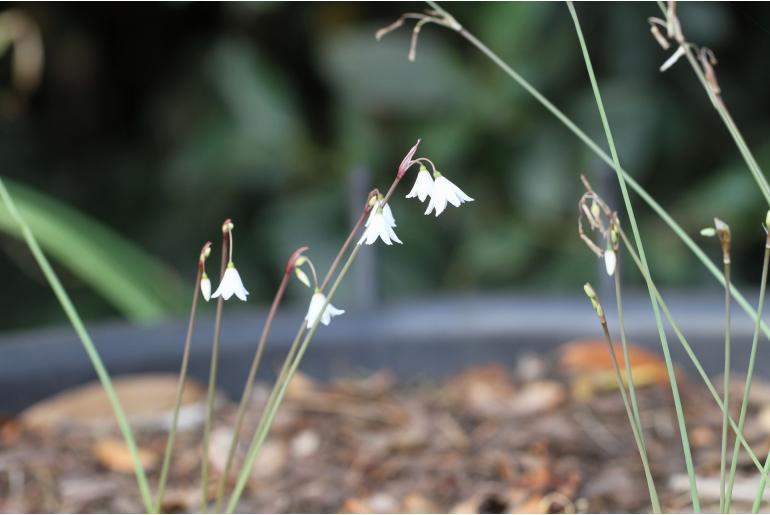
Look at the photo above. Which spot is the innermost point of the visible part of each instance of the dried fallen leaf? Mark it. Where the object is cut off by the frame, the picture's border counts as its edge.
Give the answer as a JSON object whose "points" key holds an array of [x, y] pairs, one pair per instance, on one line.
{"points": [[271, 459], [590, 365], [482, 390], [300, 386], [355, 506], [534, 504], [147, 400], [114, 454], [537, 397], [417, 503], [702, 437], [581, 356], [305, 444]]}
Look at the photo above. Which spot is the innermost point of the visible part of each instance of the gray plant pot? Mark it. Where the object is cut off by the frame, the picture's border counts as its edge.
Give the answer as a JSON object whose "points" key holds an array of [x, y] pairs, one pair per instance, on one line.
{"points": [[419, 339]]}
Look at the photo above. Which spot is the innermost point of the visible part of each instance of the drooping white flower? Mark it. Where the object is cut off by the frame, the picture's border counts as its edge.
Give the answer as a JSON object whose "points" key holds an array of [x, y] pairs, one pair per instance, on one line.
{"points": [[379, 225], [423, 185], [231, 284], [610, 261], [445, 191], [386, 212], [314, 310], [206, 286]]}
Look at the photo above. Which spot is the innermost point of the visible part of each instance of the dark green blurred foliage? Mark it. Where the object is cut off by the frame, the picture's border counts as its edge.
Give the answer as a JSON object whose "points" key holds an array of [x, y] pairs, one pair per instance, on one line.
{"points": [[163, 119]]}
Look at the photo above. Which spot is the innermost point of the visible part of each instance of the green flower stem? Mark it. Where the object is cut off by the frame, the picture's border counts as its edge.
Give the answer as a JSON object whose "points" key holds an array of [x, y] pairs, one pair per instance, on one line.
{"points": [[248, 388], [85, 339], [272, 409], [179, 393], [694, 359], [596, 149], [724, 113], [762, 484], [743, 148], [634, 416], [747, 390], [726, 393], [213, 380], [638, 240], [345, 246]]}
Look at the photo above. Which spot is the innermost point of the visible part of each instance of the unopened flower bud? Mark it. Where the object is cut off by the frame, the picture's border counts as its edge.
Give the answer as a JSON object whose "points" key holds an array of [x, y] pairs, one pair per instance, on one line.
{"points": [[589, 291], [594, 301], [205, 286], [302, 276], [595, 211]]}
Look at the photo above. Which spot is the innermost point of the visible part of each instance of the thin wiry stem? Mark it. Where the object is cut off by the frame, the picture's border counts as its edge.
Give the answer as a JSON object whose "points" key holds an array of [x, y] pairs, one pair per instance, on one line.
{"points": [[213, 377], [248, 388], [635, 419], [693, 358], [267, 419], [743, 148], [714, 94], [297, 339], [638, 240], [599, 152], [726, 393], [333, 268], [180, 389], [85, 339], [747, 389]]}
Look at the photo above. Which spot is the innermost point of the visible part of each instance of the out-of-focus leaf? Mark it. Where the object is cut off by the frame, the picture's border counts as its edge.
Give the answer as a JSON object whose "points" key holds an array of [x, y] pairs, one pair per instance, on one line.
{"points": [[134, 282], [249, 135], [377, 77]]}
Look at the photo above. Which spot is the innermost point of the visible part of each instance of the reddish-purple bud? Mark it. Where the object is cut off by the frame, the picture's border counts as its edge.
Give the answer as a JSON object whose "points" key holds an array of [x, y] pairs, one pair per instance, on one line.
{"points": [[294, 257], [407, 161]]}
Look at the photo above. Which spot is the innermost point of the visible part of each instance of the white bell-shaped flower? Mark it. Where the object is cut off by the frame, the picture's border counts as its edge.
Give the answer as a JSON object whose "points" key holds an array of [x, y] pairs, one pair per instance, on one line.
{"points": [[444, 191], [314, 310], [423, 185], [231, 285], [386, 212], [205, 286], [610, 261], [380, 226]]}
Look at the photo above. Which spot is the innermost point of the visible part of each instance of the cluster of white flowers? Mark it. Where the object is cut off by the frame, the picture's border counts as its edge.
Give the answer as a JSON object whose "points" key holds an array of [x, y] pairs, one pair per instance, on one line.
{"points": [[379, 226], [438, 188]]}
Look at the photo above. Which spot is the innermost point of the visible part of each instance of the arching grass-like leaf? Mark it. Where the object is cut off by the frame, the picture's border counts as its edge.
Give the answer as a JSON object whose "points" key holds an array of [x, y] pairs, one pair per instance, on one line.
{"points": [[135, 283]]}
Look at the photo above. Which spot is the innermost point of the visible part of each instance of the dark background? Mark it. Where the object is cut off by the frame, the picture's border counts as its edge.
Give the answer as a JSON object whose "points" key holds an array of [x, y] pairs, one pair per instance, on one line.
{"points": [[160, 120]]}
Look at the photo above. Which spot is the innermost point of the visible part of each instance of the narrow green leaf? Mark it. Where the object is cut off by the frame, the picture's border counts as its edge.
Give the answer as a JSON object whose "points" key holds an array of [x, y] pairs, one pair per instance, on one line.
{"points": [[135, 283]]}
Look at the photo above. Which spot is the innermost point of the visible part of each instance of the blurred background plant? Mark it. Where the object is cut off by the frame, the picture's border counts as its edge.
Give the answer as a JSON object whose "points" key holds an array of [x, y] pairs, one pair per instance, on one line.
{"points": [[159, 120]]}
